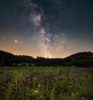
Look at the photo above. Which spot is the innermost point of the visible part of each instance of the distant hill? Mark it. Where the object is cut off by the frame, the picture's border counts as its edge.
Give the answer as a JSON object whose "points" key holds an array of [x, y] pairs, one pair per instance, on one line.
{"points": [[80, 59], [8, 59]]}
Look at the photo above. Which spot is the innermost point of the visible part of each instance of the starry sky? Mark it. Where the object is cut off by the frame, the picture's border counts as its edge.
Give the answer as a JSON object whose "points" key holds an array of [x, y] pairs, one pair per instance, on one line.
{"points": [[47, 28]]}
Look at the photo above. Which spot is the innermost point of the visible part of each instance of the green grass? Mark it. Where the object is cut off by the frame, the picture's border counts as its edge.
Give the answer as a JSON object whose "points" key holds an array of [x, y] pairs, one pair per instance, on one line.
{"points": [[46, 83]]}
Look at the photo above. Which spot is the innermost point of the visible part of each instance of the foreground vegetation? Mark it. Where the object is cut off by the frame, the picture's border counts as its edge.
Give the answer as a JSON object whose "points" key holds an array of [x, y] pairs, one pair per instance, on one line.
{"points": [[46, 83]]}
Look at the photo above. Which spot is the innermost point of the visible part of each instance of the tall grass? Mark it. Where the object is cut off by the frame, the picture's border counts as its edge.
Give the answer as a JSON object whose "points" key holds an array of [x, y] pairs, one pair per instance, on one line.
{"points": [[46, 83]]}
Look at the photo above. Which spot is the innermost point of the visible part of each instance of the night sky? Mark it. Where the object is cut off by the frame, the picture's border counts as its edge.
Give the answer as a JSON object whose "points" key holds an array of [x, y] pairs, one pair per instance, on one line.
{"points": [[47, 28]]}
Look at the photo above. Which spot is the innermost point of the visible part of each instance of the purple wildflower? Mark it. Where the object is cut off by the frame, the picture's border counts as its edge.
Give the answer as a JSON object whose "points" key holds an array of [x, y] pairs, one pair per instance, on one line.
{"points": [[60, 77], [76, 72]]}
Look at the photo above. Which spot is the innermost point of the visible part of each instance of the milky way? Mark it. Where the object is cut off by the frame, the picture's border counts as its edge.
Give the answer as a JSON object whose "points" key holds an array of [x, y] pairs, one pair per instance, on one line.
{"points": [[48, 43]]}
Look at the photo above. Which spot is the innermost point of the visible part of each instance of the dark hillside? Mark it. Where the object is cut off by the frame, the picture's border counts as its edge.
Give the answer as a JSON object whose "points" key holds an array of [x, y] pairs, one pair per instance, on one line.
{"points": [[8, 59], [82, 59]]}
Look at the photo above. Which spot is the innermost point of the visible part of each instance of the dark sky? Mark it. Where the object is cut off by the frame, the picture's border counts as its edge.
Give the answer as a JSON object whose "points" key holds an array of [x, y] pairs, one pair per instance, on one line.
{"points": [[49, 28]]}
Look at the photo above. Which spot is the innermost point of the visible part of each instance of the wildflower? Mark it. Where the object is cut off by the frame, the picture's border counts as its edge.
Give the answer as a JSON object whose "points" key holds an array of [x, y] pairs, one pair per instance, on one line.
{"points": [[24, 81], [36, 91], [77, 72], [60, 77], [34, 78]]}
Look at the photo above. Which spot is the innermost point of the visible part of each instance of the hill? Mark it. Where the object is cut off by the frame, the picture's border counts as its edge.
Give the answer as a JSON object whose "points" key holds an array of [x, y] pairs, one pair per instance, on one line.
{"points": [[8, 59], [80, 59]]}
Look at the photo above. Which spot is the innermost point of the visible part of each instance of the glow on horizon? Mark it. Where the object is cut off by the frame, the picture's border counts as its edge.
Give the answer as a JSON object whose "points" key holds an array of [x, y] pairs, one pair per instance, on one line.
{"points": [[35, 55], [22, 48]]}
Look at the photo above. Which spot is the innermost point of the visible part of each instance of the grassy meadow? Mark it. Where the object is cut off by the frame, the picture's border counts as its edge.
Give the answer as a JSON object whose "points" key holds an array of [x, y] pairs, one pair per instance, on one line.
{"points": [[46, 83]]}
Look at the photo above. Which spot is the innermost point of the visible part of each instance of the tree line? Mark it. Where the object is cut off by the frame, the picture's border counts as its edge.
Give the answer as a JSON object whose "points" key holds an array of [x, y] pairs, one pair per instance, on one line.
{"points": [[81, 59]]}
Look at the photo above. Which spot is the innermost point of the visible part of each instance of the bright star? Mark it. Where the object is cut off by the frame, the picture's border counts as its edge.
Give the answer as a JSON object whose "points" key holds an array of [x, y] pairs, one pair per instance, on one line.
{"points": [[16, 41]]}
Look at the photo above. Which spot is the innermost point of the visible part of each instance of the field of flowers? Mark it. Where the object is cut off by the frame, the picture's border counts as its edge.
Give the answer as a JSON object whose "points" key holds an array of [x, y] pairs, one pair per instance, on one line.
{"points": [[46, 83]]}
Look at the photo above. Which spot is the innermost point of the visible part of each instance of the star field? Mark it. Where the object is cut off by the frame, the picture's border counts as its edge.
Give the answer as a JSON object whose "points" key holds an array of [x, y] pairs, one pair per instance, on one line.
{"points": [[48, 28]]}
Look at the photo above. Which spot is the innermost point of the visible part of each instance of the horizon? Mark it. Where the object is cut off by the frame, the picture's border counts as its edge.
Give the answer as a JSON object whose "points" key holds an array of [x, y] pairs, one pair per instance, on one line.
{"points": [[45, 57]]}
